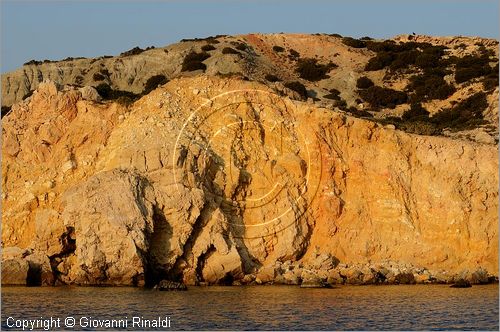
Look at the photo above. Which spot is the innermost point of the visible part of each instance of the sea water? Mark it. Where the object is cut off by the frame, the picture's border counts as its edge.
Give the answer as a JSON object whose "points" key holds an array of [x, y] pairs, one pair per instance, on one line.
{"points": [[403, 307]]}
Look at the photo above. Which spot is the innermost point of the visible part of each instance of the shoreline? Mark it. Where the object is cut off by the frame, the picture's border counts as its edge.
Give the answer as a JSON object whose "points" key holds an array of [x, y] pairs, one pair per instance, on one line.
{"points": [[321, 270], [198, 287], [254, 284]]}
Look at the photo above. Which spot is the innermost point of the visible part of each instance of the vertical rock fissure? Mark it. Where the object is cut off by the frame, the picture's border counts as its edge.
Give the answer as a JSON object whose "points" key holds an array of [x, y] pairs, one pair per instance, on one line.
{"points": [[68, 244], [159, 244]]}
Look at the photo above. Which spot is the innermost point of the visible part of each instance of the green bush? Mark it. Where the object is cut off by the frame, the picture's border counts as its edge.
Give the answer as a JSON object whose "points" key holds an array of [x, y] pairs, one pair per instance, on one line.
{"points": [[475, 105], [358, 113], [272, 78], [294, 55], [278, 48], [297, 87], [364, 83], [427, 60], [355, 43], [383, 46], [416, 112], [380, 61], [393, 47], [240, 46], [207, 47], [383, 97], [429, 86], [469, 61], [467, 114], [403, 55], [334, 95], [32, 62], [209, 39], [418, 127], [194, 61], [473, 66], [136, 50], [238, 75], [194, 65], [107, 93], [466, 74], [309, 69], [153, 82], [403, 60], [104, 90], [392, 60], [229, 50], [194, 56], [490, 82]]}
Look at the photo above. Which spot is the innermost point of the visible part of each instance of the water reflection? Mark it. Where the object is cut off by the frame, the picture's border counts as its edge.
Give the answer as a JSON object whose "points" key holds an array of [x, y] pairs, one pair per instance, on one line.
{"points": [[417, 307]]}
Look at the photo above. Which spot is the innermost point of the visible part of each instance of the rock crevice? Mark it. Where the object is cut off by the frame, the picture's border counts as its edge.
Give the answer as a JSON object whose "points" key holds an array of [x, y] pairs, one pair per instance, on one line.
{"points": [[255, 188]]}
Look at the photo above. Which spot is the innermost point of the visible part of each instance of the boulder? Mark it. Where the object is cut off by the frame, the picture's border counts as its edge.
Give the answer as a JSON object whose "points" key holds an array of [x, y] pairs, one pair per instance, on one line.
{"points": [[111, 218], [311, 280], [90, 93], [223, 268], [40, 271], [14, 252], [334, 277], [422, 278], [248, 278], [324, 262], [287, 278], [15, 272], [480, 276], [266, 274], [405, 278], [353, 276], [26, 267], [461, 283]]}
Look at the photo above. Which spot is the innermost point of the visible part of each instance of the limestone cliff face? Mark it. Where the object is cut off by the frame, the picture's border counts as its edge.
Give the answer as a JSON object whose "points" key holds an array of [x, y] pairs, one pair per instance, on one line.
{"points": [[221, 180]]}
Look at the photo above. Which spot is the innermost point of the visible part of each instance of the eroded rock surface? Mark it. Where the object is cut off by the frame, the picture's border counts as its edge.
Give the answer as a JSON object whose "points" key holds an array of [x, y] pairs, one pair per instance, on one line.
{"points": [[222, 181]]}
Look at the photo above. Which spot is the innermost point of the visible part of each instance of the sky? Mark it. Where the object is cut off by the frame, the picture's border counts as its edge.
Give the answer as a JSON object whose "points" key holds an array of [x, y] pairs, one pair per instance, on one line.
{"points": [[59, 29]]}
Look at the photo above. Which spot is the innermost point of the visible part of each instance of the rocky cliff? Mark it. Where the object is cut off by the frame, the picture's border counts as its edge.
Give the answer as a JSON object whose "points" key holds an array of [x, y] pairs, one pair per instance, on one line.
{"points": [[377, 79], [224, 181], [239, 179]]}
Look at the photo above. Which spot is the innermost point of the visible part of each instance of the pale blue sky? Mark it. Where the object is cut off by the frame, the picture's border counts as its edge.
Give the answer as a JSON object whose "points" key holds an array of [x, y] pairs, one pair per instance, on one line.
{"points": [[58, 29]]}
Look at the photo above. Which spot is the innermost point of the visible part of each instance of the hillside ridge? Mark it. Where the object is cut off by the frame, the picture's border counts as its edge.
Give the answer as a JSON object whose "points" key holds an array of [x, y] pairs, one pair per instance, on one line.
{"points": [[428, 74], [309, 160]]}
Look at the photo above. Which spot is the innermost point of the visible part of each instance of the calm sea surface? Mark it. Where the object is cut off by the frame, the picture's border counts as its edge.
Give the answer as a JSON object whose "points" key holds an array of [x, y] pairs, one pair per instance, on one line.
{"points": [[417, 307]]}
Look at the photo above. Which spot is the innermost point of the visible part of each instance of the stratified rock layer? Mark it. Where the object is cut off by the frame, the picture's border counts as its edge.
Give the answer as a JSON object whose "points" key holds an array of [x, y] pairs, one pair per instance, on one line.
{"points": [[210, 180]]}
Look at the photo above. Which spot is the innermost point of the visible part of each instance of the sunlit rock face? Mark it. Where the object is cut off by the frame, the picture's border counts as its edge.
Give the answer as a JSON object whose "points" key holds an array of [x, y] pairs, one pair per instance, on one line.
{"points": [[221, 180]]}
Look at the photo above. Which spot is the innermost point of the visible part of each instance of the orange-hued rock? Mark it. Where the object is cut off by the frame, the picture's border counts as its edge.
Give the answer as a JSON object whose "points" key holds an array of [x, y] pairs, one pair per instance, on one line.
{"points": [[214, 180]]}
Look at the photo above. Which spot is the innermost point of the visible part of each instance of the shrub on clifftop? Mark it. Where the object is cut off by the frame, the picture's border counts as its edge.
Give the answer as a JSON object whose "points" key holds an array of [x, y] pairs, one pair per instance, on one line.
{"points": [[364, 83], [309, 69], [384, 97], [297, 87], [153, 82], [193, 61]]}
